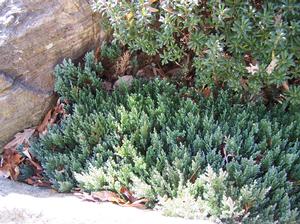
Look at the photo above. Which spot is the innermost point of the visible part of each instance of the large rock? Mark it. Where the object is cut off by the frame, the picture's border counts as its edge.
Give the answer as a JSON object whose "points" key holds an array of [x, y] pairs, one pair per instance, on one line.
{"points": [[35, 35]]}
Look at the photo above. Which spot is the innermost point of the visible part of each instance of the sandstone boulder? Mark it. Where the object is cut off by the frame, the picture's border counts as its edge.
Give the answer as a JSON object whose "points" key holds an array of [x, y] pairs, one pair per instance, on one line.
{"points": [[35, 35]]}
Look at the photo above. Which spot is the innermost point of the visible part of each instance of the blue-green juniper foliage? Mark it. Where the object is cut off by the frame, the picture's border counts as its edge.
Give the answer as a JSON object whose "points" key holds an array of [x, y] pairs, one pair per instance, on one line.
{"points": [[236, 162]]}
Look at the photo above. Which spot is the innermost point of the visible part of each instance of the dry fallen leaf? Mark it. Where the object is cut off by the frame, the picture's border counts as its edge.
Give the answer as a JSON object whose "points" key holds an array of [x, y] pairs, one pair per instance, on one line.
{"points": [[11, 159], [206, 92], [9, 164], [51, 117], [108, 196], [4, 173], [152, 1], [43, 126], [36, 165], [85, 196], [20, 138], [127, 194], [138, 204], [97, 54], [151, 9], [285, 86], [194, 175], [38, 182], [26, 152], [169, 10]]}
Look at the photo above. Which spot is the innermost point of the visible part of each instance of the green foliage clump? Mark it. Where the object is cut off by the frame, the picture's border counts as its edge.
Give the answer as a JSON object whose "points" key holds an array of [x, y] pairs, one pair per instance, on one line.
{"points": [[110, 51], [219, 157], [253, 42]]}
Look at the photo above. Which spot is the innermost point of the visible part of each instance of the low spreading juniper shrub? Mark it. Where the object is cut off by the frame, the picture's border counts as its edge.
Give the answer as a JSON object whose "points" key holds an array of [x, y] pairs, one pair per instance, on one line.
{"points": [[248, 45], [211, 157]]}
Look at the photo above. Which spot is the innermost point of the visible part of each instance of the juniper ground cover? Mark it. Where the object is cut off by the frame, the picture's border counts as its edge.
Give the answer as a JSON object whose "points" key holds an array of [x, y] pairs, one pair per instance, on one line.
{"points": [[191, 155]]}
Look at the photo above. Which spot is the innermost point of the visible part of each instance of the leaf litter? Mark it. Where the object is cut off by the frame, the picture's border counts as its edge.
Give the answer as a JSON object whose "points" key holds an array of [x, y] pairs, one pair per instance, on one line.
{"points": [[123, 198], [16, 153]]}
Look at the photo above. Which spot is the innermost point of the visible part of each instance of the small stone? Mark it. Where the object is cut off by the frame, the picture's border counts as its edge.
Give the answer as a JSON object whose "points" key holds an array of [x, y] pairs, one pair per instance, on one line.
{"points": [[126, 80], [107, 85]]}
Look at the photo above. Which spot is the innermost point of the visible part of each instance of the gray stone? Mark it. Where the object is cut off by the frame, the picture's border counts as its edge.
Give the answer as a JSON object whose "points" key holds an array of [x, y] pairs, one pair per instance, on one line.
{"points": [[35, 35], [124, 80]]}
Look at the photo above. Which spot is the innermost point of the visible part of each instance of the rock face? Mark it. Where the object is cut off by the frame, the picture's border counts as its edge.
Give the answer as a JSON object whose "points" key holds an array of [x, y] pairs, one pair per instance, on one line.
{"points": [[35, 35]]}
